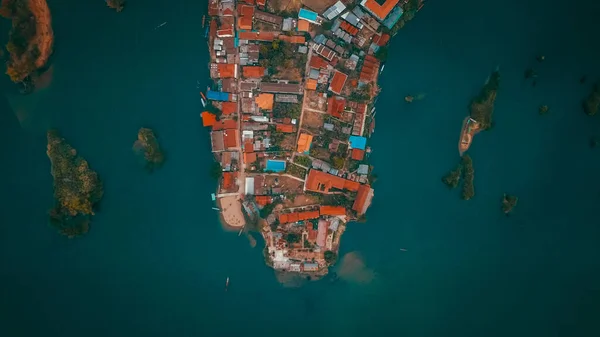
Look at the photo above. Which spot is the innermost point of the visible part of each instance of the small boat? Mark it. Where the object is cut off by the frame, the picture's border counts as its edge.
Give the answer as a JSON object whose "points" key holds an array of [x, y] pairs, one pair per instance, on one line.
{"points": [[203, 20], [202, 94], [404, 249], [162, 24], [421, 5], [203, 102], [216, 209], [213, 196], [373, 109], [227, 283], [383, 66], [206, 32]]}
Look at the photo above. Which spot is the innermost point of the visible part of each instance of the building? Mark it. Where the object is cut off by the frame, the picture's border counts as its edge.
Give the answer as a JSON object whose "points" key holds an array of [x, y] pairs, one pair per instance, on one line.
{"points": [[275, 20], [225, 124], [310, 267], [311, 84], [380, 11], [334, 10], [332, 210], [245, 22], [321, 182], [358, 154], [337, 82], [322, 233], [357, 142], [285, 98], [253, 72], [298, 216], [336, 105], [304, 143], [264, 101], [284, 88], [324, 51], [363, 199], [217, 96], [295, 39], [285, 128], [257, 36], [310, 16], [223, 70], [228, 108], [288, 24]]}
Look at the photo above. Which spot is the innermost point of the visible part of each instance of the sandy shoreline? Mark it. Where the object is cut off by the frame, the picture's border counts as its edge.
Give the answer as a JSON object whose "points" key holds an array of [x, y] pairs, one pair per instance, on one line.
{"points": [[231, 212]]}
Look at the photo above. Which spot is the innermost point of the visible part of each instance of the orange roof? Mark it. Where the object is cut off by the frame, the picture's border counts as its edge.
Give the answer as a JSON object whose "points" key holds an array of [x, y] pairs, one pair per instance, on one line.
{"points": [[285, 128], [358, 154], [292, 39], [318, 62], [303, 26], [226, 70], [249, 157], [265, 101], [336, 105], [333, 210], [227, 180], [229, 107], [259, 36], [298, 216], [380, 11], [361, 199], [225, 32], [311, 84], [248, 146], [208, 119], [263, 200], [245, 22], [383, 40], [318, 181], [245, 10], [304, 142], [226, 124], [349, 28], [253, 72], [337, 82], [230, 138]]}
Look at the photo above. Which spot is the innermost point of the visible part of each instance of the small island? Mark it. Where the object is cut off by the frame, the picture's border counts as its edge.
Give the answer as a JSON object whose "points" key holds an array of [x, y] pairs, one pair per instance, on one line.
{"points": [[592, 102], [452, 179], [117, 5], [543, 109], [147, 146], [508, 203], [291, 107], [468, 190], [77, 188], [30, 40]]}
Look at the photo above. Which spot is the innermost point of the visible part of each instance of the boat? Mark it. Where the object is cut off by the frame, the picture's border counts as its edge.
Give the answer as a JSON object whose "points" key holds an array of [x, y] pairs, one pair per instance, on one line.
{"points": [[404, 249], [216, 209], [203, 20], [162, 24], [383, 66], [203, 102], [202, 94], [227, 283], [206, 32], [469, 129], [421, 5], [213, 196]]}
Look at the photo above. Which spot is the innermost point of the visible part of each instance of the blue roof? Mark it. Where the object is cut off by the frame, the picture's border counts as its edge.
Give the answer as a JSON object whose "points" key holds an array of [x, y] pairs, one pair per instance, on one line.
{"points": [[217, 96], [275, 165], [307, 15], [357, 142]]}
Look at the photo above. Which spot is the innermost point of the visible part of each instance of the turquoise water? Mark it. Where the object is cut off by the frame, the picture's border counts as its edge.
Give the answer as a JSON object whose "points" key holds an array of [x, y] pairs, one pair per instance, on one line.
{"points": [[155, 261]]}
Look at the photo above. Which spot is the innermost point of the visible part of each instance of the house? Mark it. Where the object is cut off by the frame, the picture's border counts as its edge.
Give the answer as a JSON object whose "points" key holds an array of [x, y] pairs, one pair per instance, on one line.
{"points": [[223, 70], [216, 141], [324, 51], [208, 119], [322, 233], [213, 7], [285, 128], [295, 39], [225, 124], [284, 88], [265, 101], [363, 199], [228, 32], [304, 143], [229, 108], [310, 16], [321, 182], [285, 98], [303, 26], [357, 142], [311, 84], [245, 22], [358, 154], [257, 36], [348, 28], [336, 105], [337, 82], [380, 11], [332, 210], [309, 267], [288, 24], [249, 187], [334, 10], [253, 72], [318, 62], [245, 10], [275, 20]]}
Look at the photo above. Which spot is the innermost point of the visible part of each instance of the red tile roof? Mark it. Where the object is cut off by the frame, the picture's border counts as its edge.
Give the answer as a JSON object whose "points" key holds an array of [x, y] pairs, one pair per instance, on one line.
{"points": [[332, 210], [253, 72], [263, 200], [318, 181], [230, 138], [227, 180], [298, 216], [245, 10], [245, 22], [335, 106], [256, 36], [285, 128], [225, 32], [226, 70], [318, 62], [385, 38], [381, 11], [293, 39], [363, 200], [229, 107], [349, 28], [248, 146], [337, 82], [226, 124], [358, 154]]}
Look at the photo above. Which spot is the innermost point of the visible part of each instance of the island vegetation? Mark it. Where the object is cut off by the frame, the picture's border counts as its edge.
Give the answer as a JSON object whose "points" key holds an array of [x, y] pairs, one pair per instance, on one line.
{"points": [[30, 40], [452, 179], [147, 146], [482, 107], [592, 102], [117, 5], [508, 203], [468, 190], [77, 188]]}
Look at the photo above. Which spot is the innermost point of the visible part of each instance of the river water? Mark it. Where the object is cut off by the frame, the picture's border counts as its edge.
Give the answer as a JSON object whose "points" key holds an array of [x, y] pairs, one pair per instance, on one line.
{"points": [[156, 258]]}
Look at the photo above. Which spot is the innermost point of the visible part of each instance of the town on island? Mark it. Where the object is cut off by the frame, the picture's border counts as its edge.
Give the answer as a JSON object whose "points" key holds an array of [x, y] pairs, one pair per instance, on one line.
{"points": [[290, 108]]}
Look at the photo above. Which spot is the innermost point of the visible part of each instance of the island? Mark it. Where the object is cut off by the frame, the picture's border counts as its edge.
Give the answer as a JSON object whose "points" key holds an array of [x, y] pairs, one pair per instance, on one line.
{"points": [[543, 109], [482, 109], [291, 108], [148, 148], [508, 203], [468, 190], [592, 102], [452, 179], [77, 188], [117, 5], [30, 41]]}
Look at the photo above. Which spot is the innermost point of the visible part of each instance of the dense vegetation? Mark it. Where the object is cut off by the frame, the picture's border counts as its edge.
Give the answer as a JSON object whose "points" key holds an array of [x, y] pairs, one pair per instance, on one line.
{"points": [[76, 188], [282, 110], [330, 256], [281, 54], [482, 107], [453, 177], [468, 191], [147, 145], [508, 203], [303, 160]]}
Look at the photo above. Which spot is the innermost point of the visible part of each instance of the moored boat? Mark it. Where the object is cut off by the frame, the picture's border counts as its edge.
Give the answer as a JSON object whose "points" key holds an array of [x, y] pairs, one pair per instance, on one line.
{"points": [[227, 283]]}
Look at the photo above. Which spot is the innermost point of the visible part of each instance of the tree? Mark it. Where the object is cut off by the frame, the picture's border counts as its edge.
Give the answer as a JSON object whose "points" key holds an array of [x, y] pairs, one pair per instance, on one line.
{"points": [[216, 170], [292, 238], [330, 256], [338, 162]]}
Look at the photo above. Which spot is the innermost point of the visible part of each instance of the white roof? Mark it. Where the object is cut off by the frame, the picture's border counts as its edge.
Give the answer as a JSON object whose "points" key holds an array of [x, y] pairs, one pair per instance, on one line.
{"points": [[249, 186], [334, 10]]}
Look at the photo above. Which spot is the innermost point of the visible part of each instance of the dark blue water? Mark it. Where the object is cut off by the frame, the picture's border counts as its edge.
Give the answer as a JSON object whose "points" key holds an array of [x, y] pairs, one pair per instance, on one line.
{"points": [[155, 261]]}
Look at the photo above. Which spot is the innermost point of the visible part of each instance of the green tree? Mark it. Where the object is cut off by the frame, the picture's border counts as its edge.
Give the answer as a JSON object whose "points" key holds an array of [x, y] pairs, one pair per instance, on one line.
{"points": [[216, 171], [330, 256]]}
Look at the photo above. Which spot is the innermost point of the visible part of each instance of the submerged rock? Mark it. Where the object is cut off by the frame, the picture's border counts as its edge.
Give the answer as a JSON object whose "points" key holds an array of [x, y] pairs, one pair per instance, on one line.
{"points": [[77, 188], [543, 109], [592, 102], [147, 146], [508, 203], [117, 5]]}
